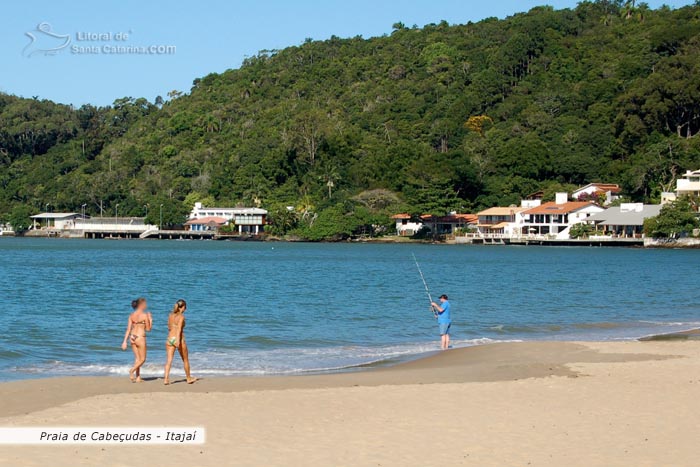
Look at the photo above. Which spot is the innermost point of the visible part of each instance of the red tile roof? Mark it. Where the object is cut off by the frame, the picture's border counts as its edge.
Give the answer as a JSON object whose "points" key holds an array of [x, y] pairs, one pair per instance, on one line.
{"points": [[464, 218], [554, 208], [206, 221], [401, 216], [602, 187]]}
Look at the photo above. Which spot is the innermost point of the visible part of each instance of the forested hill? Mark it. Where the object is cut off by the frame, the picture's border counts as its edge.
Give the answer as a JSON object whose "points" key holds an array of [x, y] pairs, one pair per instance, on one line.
{"points": [[426, 119]]}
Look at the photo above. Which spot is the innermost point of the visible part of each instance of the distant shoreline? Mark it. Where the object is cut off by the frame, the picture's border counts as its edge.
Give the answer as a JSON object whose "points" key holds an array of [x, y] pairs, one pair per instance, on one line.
{"points": [[648, 244]]}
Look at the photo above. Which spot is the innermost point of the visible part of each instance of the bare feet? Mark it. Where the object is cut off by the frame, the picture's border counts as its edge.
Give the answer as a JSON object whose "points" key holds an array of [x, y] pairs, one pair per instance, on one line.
{"points": [[132, 376], [139, 380], [166, 382], [191, 380]]}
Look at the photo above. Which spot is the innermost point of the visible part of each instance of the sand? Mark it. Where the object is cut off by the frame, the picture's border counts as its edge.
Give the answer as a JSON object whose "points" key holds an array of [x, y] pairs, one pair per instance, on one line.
{"points": [[516, 404]]}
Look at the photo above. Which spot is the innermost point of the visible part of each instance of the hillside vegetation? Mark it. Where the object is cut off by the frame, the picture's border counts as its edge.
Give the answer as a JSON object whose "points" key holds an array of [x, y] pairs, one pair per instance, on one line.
{"points": [[432, 119]]}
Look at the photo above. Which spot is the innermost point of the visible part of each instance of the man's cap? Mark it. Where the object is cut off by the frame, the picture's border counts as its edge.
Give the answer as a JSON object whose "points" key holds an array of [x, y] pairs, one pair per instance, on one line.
{"points": [[443, 296]]}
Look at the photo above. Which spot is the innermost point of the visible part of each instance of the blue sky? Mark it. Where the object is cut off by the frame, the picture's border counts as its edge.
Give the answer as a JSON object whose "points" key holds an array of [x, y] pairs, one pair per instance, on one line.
{"points": [[208, 37]]}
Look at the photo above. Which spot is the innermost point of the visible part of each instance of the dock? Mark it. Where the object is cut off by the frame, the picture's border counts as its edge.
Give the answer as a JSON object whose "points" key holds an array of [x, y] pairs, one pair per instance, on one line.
{"points": [[539, 241]]}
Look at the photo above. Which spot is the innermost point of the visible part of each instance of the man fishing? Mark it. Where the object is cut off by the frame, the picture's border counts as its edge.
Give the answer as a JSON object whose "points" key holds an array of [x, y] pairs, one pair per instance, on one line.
{"points": [[444, 320]]}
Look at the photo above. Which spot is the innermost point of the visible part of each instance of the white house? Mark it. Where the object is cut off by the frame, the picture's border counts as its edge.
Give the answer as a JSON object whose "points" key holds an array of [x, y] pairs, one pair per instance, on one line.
{"points": [[6, 229], [689, 184], [247, 220], [556, 217], [611, 192], [506, 221], [500, 220], [405, 225], [626, 220], [55, 220], [113, 224]]}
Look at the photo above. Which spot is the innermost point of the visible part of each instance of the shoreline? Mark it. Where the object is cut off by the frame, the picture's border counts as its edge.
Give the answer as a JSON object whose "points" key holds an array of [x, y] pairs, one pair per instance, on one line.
{"points": [[492, 362], [645, 244]]}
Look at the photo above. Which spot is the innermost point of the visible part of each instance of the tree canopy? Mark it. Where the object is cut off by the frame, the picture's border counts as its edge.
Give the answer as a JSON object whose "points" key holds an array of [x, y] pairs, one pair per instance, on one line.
{"points": [[443, 117]]}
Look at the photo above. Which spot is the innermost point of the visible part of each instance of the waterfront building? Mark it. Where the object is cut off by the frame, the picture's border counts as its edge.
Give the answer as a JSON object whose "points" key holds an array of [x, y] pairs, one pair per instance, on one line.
{"points": [[113, 224], [406, 226], [246, 220], [449, 224], [555, 218], [6, 229], [624, 221], [204, 224], [689, 184], [55, 220], [505, 221]]}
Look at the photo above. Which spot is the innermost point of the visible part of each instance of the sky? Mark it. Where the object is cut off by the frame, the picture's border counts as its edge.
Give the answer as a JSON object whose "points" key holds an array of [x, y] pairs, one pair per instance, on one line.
{"points": [[79, 52]]}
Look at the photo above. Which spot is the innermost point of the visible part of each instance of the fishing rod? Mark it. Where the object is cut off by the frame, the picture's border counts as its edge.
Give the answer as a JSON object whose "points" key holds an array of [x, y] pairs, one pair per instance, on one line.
{"points": [[425, 284]]}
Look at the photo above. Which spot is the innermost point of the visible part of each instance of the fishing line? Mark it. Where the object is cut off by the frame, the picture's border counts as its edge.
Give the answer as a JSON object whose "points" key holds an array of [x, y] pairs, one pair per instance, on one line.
{"points": [[425, 284]]}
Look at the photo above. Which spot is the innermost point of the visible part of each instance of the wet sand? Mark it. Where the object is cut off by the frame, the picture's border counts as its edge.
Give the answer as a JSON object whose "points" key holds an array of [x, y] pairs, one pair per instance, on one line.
{"points": [[535, 403]]}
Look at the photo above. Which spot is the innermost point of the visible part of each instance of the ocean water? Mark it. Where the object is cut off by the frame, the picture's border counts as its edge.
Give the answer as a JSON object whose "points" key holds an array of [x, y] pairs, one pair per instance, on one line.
{"points": [[289, 308]]}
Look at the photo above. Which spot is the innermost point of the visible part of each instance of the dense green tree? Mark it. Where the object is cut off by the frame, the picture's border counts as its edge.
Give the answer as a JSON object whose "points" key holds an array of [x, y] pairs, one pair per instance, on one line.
{"points": [[675, 219], [444, 117]]}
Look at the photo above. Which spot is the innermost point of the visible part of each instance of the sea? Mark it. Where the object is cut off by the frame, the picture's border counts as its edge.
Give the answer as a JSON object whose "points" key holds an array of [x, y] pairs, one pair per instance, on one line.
{"points": [[264, 308]]}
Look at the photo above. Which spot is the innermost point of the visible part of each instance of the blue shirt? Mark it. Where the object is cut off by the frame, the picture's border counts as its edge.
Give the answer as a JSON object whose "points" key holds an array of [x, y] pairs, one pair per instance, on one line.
{"points": [[444, 315]]}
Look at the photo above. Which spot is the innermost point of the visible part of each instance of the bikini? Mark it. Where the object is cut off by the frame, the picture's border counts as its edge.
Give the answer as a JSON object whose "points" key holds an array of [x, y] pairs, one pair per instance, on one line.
{"points": [[172, 340], [133, 336]]}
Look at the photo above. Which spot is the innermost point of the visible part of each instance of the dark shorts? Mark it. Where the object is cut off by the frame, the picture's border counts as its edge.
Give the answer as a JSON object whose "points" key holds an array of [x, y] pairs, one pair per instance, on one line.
{"points": [[444, 328]]}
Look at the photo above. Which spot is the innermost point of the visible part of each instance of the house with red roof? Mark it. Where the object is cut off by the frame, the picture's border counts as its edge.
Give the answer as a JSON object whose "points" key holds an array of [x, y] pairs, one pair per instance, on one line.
{"points": [[406, 225], [605, 192], [202, 224], [555, 218], [448, 225]]}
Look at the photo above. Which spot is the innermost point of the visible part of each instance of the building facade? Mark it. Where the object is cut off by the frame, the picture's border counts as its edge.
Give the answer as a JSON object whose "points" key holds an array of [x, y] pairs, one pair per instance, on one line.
{"points": [[406, 226], [624, 221], [607, 192], [449, 224], [689, 184], [246, 220], [55, 220], [500, 221], [556, 217]]}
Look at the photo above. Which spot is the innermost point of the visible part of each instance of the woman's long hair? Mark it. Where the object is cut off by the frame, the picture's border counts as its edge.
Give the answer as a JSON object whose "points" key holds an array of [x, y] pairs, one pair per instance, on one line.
{"points": [[180, 306]]}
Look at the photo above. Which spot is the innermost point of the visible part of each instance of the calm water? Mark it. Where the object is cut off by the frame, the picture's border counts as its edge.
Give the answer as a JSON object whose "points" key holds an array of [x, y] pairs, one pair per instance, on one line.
{"points": [[261, 308]]}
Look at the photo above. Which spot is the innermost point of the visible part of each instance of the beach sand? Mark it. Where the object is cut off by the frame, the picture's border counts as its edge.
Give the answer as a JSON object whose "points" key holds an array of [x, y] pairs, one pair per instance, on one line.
{"points": [[514, 404]]}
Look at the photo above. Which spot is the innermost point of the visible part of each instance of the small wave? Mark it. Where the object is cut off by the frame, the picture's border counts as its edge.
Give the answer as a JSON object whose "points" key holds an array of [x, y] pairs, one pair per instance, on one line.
{"points": [[10, 354], [240, 362], [524, 329], [601, 325]]}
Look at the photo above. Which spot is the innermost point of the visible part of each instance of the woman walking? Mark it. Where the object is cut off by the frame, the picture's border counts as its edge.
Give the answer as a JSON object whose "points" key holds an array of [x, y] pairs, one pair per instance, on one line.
{"points": [[176, 340], [140, 322]]}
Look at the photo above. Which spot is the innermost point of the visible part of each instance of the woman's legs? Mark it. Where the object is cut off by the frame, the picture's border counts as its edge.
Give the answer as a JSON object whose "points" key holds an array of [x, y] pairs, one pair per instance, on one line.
{"points": [[134, 371], [170, 352], [143, 348], [139, 359], [186, 361]]}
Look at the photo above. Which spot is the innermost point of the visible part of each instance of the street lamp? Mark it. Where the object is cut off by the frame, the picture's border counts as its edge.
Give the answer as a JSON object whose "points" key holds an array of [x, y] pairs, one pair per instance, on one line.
{"points": [[48, 221], [160, 226], [116, 213], [146, 206], [83, 210]]}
